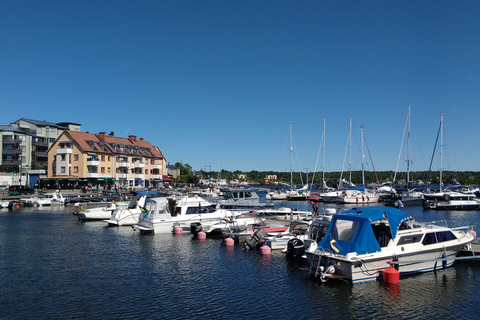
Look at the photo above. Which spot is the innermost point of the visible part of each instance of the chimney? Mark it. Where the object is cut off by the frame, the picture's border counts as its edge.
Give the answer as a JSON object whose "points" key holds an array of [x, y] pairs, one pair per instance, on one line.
{"points": [[132, 138], [141, 139], [111, 134], [102, 135]]}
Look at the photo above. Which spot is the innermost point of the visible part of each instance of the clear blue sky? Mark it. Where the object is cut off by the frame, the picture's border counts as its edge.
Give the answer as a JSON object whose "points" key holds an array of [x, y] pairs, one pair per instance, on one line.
{"points": [[216, 83]]}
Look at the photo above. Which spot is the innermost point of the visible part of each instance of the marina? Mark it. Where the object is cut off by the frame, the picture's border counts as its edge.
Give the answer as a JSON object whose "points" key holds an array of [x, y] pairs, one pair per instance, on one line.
{"points": [[66, 268]]}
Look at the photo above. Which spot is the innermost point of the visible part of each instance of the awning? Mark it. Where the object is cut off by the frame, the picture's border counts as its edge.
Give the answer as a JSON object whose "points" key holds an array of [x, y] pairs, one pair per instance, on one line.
{"points": [[167, 179]]}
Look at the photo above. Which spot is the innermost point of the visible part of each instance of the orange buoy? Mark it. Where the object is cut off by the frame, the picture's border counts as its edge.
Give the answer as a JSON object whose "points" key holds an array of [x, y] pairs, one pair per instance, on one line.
{"points": [[229, 242], [265, 250], [201, 235]]}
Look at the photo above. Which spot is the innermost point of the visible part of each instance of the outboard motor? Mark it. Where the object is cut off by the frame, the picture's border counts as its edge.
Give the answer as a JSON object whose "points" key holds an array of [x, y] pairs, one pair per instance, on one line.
{"points": [[295, 248], [195, 228], [256, 240]]}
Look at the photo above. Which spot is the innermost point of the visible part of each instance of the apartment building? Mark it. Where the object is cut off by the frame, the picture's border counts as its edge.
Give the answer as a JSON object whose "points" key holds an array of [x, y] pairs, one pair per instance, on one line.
{"points": [[100, 158], [24, 146]]}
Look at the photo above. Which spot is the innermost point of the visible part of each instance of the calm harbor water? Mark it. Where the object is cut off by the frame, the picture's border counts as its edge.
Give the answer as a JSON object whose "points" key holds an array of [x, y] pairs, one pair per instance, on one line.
{"points": [[53, 266]]}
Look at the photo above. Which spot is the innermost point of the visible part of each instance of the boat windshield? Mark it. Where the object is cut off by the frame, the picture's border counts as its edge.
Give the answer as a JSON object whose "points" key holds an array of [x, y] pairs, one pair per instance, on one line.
{"points": [[344, 230]]}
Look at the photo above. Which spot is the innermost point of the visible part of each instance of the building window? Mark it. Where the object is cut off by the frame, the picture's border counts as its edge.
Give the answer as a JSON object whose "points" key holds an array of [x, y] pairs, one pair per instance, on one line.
{"points": [[63, 169], [103, 158], [39, 130], [23, 148], [108, 170], [103, 169], [75, 169], [63, 157], [108, 158]]}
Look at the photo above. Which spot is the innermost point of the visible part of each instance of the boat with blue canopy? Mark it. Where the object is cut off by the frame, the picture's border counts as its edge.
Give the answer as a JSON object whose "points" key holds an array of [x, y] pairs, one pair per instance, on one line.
{"points": [[361, 242]]}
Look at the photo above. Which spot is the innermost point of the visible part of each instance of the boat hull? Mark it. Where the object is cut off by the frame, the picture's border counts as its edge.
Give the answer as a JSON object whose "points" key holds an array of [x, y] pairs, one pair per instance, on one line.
{"points": [[361, 269]]}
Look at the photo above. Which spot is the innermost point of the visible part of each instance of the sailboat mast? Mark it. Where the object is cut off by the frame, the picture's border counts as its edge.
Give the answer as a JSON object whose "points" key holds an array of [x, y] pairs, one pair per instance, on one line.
{"points": [[307, 164], [323, 176], [363, 157], [291, 163], [408, 148], [350, 152], [441, 146]]}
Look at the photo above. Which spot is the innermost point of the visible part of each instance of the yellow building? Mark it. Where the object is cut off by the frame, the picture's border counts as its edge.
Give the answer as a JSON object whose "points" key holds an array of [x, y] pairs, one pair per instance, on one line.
{"points": [[99, 158]]}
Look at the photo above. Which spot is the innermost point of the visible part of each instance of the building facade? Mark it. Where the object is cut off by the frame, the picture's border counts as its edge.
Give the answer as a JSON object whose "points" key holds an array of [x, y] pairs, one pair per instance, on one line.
{"points": [[99, 159], [24, 146]]}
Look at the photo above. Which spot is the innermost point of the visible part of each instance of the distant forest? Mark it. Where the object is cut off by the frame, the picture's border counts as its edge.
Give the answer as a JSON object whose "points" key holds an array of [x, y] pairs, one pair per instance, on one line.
{"points": [[331, 178]]}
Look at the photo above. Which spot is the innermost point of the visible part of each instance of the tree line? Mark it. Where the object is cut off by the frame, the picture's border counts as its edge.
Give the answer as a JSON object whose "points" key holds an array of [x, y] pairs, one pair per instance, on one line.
{"points": [[188, 175]]}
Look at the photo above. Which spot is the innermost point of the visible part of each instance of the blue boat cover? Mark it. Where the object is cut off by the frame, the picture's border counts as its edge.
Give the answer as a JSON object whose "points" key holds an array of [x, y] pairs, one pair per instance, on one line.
{"points": [[145, 192], [351, 231]]}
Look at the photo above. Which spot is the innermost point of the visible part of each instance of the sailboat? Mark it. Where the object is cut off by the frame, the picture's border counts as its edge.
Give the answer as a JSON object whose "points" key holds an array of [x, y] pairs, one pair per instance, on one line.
{"points": [[407, 197], [334, 196], [360, 195]]}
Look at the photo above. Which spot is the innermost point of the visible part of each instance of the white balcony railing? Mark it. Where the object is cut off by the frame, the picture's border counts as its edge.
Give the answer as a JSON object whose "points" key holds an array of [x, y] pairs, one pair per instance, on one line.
{"points": [[122, 164], [139, 164]]}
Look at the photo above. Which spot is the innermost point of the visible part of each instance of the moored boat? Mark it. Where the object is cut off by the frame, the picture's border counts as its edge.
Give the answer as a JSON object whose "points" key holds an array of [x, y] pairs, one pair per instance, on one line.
{"points": [[360, 243], [163, 215]]}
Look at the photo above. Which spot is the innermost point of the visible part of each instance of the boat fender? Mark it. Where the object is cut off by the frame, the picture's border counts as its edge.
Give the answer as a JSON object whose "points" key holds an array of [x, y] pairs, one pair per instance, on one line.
{"points": [[473, 233], [229, 242], [178, 231], [201, 235], [265, 250], [444, 262]]}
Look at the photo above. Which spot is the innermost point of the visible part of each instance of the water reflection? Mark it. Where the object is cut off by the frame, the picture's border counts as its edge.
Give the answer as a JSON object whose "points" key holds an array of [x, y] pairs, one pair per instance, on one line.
{"points": [[66, 268]]}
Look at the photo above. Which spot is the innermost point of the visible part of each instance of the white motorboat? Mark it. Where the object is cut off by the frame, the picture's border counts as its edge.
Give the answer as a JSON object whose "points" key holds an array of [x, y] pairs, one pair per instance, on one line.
{"points": [[358, 197], [163, 215], [4, 204], [331, 196], [361, 243], [284, 213], [96, 211], [56, 197], [454, 201], [35, 202], [129, 216], [242, 199], [278, 194]]}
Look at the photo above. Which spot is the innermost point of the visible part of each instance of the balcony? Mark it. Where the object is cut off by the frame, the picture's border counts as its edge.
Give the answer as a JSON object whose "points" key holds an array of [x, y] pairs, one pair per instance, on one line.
{"points": [[11, 141], [157, 166], [157, 177], [11, 162], [93, 175], [40, 164], [41, 154], [122, 164], [139, 164], [40, 143], [11, 151], [93, 162], [139, 176], [122, 175], [64, 150]]}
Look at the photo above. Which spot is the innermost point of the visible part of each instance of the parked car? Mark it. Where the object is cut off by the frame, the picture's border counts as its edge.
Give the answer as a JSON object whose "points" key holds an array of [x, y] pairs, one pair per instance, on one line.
{"points": [[14, 190]]}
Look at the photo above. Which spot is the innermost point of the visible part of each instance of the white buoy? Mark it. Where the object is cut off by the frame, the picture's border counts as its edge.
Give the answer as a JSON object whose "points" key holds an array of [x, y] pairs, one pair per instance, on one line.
{"points": [[201, 235]]}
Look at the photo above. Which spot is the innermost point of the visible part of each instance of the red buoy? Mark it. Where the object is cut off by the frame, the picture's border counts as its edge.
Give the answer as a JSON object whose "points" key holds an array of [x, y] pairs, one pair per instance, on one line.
{"points": [[201, 235], [391, 275]]}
